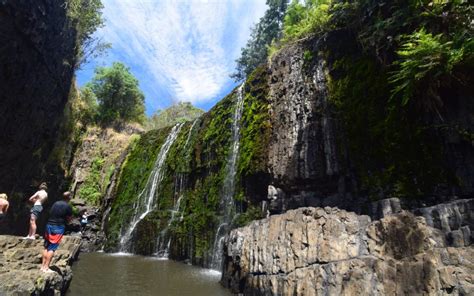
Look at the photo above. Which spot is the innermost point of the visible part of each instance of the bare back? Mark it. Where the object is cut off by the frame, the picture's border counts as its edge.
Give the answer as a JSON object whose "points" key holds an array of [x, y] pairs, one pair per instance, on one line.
{"points": [[39, 197], [3, 206]]}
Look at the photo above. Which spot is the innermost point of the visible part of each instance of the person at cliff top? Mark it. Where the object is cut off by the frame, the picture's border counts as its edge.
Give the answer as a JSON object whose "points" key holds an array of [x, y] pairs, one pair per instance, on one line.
{"points": [[38, 200], [60, 214], [3, 206]]}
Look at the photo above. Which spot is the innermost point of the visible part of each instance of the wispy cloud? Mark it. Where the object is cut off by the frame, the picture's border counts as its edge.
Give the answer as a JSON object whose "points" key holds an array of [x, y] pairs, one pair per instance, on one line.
{"points": [[184, 48]]}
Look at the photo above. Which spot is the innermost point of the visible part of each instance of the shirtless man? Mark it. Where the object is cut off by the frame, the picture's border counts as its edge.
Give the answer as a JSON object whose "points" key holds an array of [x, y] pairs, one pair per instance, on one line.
{"points": [[3, 206], [37, 199]]}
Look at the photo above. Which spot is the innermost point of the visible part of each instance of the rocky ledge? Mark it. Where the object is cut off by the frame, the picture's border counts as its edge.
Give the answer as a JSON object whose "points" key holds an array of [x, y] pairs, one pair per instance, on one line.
{"points": [[20, 262], [328, 251]]}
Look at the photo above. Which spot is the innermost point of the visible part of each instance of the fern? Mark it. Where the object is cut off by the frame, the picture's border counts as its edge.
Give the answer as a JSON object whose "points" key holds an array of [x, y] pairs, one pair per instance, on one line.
{"points": [[422, 56]]}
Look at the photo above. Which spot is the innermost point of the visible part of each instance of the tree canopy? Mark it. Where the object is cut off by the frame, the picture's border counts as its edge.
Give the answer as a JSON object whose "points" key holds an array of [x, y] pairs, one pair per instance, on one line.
{"points": [[265, 31], [86, 16], [118, 94]]}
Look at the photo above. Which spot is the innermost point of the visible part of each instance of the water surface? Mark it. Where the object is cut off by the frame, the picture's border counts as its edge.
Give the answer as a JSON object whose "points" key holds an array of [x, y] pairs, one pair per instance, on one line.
{"points": [[109, 274]]}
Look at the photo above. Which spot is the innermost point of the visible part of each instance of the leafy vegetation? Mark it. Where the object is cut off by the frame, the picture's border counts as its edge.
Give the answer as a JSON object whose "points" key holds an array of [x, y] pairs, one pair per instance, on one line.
{"points": [[118, 94], [139, 162], [265, 31], [91, 190], [87, 106], [180, 112], [389, 61], [423, 60], [198, 160], [256, 127], [305, 19], [387, 91], [86, 16]]}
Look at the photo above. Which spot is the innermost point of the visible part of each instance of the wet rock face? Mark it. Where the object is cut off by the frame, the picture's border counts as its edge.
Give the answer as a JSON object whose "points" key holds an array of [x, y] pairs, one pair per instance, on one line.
{"points": [[302, 157], [36, 70], [20, 261], [300, 121], [328, 251]]}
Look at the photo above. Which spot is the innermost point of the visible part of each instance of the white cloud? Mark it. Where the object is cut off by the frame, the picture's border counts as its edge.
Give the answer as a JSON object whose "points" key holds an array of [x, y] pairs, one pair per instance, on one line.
{"points": [[188, 47]]}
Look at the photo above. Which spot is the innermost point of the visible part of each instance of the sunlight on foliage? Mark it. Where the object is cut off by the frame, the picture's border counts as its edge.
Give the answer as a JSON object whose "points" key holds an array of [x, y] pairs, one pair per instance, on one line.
{"points": [[422, 54]]}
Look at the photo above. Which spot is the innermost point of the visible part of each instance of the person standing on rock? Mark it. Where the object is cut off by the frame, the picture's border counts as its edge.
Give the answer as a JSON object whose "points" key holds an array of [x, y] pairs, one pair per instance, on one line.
{"points": [[38, 200], [60, 214], [3, 206]]}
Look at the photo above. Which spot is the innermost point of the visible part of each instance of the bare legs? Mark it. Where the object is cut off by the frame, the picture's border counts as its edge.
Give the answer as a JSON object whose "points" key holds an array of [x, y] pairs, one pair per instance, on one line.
{"points": [[47, 256], [32, 232]]}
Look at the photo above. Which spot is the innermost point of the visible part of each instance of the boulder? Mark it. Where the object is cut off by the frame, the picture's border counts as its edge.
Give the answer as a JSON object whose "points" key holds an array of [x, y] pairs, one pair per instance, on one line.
{"points": [[20, 262], [328, 251]]}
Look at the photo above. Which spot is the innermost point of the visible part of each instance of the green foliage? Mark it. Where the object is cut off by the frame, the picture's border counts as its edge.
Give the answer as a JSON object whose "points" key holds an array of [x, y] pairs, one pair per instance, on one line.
{"points": [[302, 20], [198, 156], [180, 112], [118, 94], [265, 31], [256, 128], [405, 50], [393, 151], [253, 213], [423, 60], [133, 176], [87, 107], [91, 190], [86, 16]]}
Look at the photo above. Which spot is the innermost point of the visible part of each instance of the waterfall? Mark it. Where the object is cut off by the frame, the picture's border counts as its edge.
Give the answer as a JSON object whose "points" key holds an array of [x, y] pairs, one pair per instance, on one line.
{"points": [[190, 133], [164, 239], [228, 189], [145, 201]]}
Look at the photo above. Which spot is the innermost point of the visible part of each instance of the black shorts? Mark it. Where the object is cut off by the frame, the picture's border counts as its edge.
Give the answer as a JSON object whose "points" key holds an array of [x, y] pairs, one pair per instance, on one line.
{"points": [[36, 210]]}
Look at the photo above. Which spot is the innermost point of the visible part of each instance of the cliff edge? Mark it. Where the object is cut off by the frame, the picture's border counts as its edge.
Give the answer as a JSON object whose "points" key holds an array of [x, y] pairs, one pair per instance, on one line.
{"points": [[20, 261]]}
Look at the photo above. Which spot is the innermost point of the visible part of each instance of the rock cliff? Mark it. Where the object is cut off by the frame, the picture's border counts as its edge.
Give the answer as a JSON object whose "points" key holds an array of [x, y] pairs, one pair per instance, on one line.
{"points": [[20, 263], [328, 251], [304, 159], [298, 147], [37, 59]]}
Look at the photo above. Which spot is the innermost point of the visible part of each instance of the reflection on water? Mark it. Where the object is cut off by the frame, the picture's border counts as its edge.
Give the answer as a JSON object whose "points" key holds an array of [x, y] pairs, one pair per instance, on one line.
{"points": [[124, 274]]}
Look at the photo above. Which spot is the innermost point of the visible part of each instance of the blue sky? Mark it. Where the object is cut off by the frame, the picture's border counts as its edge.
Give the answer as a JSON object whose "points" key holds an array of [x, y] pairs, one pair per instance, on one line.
{"points": [[180, 50]]}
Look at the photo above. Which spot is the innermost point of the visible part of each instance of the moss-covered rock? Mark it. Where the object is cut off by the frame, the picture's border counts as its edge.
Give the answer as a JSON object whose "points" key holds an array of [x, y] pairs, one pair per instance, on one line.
{"points": [[133, 177]]}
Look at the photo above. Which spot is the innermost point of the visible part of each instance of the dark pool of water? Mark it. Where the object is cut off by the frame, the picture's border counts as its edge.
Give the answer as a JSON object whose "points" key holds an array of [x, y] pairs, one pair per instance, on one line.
{"points": [[109, 274]]}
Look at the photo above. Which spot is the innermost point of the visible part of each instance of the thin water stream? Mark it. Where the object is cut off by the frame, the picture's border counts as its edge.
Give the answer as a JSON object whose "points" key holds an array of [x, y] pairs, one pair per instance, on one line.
{"points": [[128, 275]]}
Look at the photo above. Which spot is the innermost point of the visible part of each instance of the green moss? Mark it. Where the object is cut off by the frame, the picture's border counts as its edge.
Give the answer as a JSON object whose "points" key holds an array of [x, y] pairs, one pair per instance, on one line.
{"points": [[92, 188], [251, 214], [198, 156], [256, 128], [133, 177], [393, 151]]}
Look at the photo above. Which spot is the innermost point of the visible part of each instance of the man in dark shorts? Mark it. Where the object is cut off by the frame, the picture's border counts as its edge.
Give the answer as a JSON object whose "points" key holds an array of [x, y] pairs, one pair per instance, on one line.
{"points": [[59, 215], [38, 199]]}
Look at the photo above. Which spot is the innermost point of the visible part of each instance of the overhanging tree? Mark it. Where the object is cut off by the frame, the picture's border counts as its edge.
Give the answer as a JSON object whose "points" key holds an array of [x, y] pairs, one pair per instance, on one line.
{"points": [[265, 31], [118, 94]]}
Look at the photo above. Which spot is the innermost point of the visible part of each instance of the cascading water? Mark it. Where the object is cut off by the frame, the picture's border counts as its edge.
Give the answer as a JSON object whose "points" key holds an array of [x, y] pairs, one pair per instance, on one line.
{"points": [[145, 201], [228, 189], [164, 239]]}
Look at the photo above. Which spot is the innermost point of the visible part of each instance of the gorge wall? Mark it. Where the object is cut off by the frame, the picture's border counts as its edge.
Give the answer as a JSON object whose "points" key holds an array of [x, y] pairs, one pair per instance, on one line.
{"points": [[37, 58], [320, 251], [297, 147]]}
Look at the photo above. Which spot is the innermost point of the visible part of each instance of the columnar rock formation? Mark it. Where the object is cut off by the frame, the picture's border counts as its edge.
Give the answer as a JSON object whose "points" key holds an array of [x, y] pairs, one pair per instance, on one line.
{"points": [[328, 251], [20, 263], [37, 58]]}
